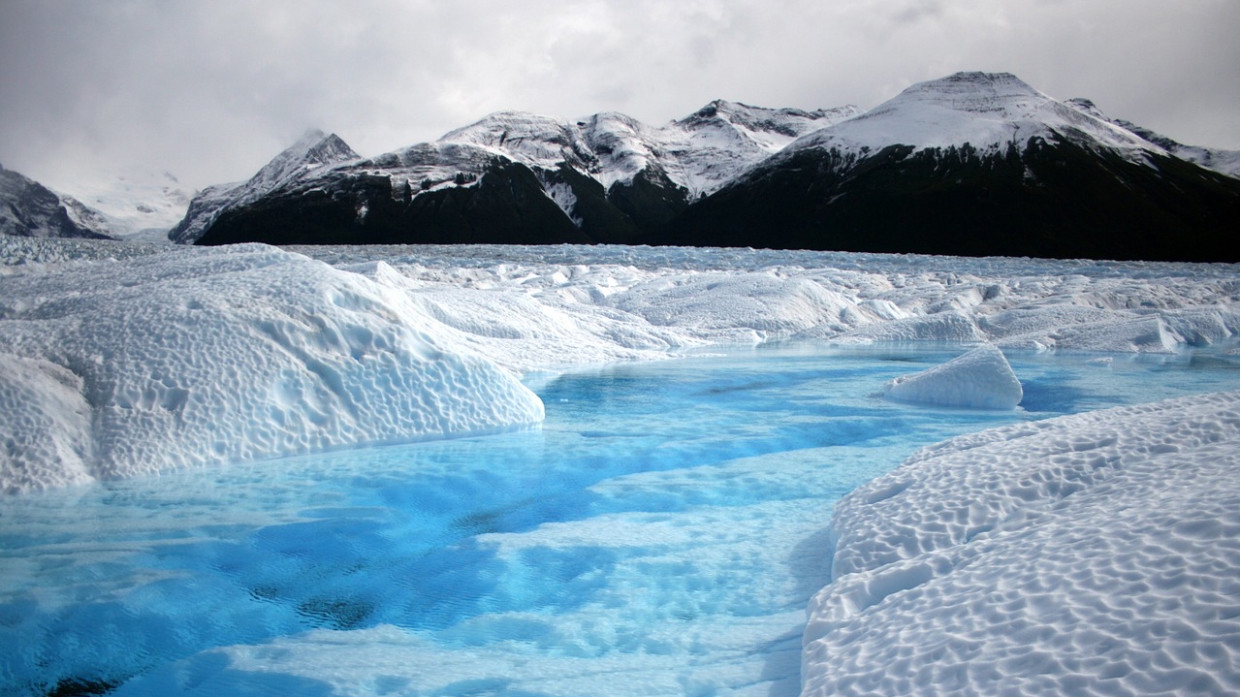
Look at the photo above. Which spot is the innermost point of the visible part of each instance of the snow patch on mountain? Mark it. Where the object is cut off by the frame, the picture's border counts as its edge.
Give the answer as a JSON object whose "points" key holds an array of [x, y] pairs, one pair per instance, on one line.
{"points": [[532, 140], [699, 153], [722, 139]]}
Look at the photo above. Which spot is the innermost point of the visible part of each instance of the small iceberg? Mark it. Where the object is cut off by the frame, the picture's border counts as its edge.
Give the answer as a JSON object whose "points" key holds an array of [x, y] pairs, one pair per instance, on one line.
{"points": [[979, 379]]}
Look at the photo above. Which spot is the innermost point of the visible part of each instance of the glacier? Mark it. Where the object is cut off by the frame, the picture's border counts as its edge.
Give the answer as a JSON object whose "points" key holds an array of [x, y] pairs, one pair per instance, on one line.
{"points": [[1092, 553], [127, 358]]}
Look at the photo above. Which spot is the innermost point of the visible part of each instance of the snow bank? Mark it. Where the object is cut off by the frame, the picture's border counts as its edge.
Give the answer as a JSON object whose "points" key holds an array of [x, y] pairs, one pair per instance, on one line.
{"points": [[168, 360], [1089, 554], [979, 379]]}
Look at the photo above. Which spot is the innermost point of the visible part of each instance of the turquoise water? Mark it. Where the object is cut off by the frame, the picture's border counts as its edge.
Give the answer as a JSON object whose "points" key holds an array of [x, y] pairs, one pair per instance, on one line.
{"points": [[659, 534]]}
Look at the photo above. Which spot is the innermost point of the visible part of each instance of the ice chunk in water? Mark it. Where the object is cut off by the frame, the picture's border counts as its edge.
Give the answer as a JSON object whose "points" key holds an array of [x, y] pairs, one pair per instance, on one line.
{"points": [[980, 379]]}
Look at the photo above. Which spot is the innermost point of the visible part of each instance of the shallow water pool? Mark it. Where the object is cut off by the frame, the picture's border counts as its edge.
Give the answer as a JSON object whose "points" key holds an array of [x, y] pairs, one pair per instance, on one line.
{"points": [[658, 535]]}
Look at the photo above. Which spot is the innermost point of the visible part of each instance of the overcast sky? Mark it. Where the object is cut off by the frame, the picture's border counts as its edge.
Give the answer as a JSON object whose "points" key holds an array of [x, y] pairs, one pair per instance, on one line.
{"points": [[211, 89]]}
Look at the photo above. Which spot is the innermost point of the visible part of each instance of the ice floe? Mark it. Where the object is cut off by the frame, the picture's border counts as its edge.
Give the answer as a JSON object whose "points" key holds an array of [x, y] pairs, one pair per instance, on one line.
{"points": [[979, 379]]}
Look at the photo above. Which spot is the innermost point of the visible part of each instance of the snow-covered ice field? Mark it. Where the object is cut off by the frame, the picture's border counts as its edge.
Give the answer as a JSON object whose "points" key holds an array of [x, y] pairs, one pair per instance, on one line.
{"points": [[604, 521]]}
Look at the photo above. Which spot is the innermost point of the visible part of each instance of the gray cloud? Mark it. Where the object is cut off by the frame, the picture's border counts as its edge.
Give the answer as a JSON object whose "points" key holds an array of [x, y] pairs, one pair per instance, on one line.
{"points": [[210, 90]]}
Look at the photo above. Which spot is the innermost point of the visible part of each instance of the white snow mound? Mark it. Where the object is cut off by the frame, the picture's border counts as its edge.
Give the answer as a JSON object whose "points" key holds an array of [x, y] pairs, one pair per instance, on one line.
{"points": [[224, 355], [979, 379], [1086, 555], [44, 425]]}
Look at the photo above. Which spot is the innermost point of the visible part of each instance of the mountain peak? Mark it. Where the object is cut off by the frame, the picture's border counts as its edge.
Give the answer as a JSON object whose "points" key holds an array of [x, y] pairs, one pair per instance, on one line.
{"points": [[1086, 106], [313, 150], [317, 148], [987, 111], [720, 106], [975, 80], [997, 94], [495, 129], [307, 139]]}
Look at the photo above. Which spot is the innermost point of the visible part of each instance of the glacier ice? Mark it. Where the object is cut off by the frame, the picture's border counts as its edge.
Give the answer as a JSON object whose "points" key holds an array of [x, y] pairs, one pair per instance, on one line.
{"points": [[195, 356], [249, 353], [191, 356], [1088, 554], [979, 379]]}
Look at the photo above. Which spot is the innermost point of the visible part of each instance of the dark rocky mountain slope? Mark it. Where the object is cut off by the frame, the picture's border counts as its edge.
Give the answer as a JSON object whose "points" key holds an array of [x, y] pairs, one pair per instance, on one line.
{"points": [[29, 209]]}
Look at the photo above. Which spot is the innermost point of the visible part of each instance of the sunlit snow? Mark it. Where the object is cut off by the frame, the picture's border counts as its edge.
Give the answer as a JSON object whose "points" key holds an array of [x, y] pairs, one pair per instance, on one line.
{"points": [[1088, 555]]}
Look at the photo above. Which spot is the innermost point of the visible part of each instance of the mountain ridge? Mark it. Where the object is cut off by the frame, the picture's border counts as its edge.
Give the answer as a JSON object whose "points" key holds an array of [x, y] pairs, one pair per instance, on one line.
{"points": [[315, 149], [972, 163], [975, 164], [610, 177]]}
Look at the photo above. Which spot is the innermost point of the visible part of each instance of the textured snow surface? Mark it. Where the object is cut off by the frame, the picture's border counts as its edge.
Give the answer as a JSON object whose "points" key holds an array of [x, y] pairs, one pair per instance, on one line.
{"points": [[980, 379], [135, 358], [168, 360], [1086, 555]]}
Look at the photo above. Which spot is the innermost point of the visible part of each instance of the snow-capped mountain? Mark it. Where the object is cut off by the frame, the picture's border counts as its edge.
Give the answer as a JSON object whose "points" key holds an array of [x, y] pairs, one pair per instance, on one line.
{"points": [[723, 139], [1217, 159], [311, 152], [608, 177], [29, 209], [989, 111], [975, 164], [972, 164]]}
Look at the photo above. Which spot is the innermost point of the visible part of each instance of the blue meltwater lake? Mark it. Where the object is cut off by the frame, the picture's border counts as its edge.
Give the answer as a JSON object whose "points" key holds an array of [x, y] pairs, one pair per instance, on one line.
{"points": [[660, 534]]}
